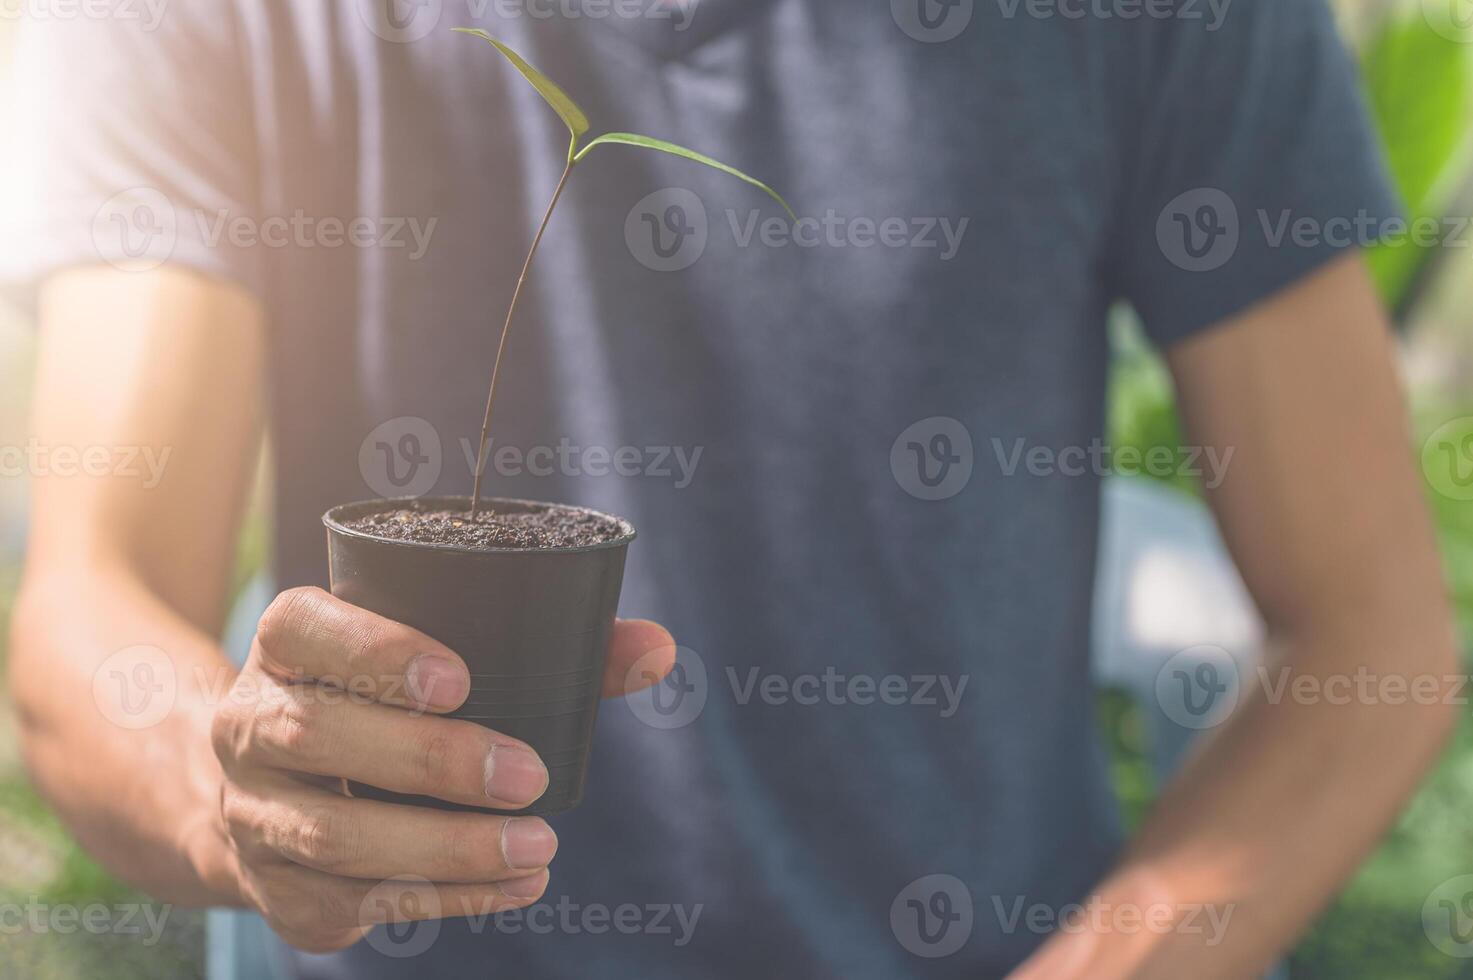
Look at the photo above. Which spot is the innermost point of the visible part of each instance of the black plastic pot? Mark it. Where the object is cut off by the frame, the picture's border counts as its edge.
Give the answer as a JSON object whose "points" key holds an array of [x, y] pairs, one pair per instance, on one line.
{"points": [[533, 626]]}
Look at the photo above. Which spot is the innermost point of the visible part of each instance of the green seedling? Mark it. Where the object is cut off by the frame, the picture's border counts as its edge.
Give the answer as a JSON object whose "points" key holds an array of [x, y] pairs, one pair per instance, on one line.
{"points": [[577, 124]]}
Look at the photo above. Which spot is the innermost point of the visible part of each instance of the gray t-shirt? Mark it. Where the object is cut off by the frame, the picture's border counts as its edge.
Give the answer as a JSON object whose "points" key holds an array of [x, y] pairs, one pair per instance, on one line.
{"points": [[838, 440]]}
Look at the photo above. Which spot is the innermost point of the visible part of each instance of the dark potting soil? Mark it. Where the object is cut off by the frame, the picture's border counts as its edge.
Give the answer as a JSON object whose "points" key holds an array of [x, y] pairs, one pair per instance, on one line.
{"points": [[539, 527]]}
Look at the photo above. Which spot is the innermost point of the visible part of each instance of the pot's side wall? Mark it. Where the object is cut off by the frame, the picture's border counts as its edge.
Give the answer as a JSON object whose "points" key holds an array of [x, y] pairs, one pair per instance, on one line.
{"points": [[534, 628]]}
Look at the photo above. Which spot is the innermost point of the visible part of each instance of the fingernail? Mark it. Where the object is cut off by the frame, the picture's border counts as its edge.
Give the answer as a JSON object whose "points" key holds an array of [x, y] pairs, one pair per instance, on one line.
{"points": [[525, 889], [436, 682], [527, 842], [514, 775]]}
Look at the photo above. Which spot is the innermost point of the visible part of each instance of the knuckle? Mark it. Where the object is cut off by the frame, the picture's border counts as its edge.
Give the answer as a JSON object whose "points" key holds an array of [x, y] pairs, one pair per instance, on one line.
{"points": [[475, 844], [225, 736], [365, 642], [336, 910], [285, 620], [296, 911], [235, 813], [436, 753], [316, 835], [326, 839], [295, 729]]}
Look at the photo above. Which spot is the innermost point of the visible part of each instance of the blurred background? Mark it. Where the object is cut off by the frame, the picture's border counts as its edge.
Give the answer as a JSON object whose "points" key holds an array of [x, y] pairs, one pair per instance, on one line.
{"points": [[1417, 67]]}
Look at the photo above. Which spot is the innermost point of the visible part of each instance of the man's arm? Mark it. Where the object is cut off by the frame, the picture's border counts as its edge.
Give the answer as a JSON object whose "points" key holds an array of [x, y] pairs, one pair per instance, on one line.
{"points": [[1323, 513], [163, 362], [197, 782]]}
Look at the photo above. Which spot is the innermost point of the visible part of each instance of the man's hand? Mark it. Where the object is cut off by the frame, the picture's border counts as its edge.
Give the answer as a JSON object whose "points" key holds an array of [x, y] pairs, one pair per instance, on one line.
{"points": [[331, 693], [244, 801]]}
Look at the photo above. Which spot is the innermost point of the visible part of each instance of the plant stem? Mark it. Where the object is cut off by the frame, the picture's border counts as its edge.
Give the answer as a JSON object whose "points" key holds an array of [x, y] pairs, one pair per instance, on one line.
{"points": [[506, 330]]}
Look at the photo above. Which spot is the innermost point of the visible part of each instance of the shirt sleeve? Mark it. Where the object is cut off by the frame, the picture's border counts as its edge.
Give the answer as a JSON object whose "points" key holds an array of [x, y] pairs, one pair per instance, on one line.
{"points": [[135, 145], [1250, 162]]}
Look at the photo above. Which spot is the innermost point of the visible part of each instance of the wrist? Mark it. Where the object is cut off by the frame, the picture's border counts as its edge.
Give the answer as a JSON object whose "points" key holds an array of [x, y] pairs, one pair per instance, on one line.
{"points": [[1116, 932], [201, 835]]}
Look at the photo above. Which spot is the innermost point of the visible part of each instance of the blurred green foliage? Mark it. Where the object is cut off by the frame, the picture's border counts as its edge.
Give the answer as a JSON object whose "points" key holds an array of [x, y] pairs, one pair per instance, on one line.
{"points": [[1416, 83]]}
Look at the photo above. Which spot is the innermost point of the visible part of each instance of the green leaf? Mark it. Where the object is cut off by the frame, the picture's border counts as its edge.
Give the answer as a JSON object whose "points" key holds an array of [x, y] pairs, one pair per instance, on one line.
{"points": [[649, 143], [564, 106], [1417, 85]]}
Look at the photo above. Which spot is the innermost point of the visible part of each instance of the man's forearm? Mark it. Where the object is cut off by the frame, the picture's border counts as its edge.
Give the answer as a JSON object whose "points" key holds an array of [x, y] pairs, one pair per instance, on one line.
{"points": [[1277, 810], [114, 693]]}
